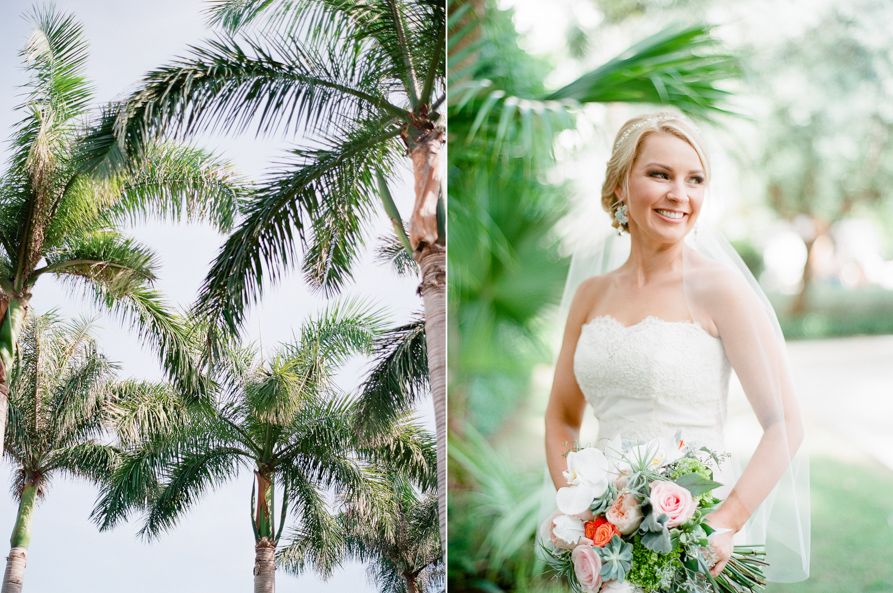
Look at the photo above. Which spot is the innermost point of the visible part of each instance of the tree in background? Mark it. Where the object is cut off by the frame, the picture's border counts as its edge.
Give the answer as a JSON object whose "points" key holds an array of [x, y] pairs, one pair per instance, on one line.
{"points": [[285, 420], [402, 547], [823, 160], [56, 219], [62, 397], [363, 83]]}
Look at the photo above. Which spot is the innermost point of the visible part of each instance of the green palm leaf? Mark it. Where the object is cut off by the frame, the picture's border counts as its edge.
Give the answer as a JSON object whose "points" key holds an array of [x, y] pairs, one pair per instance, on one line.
{"points": [[321, 202], [399, 378]]}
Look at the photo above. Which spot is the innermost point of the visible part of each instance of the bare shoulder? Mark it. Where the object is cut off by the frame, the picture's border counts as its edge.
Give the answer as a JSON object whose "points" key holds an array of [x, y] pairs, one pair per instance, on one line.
{"points": [[587, 296], [713, 280], [719, 290]]}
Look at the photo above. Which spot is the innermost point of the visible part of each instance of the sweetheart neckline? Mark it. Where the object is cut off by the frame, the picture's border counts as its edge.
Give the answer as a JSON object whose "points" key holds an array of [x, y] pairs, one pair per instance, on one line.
{"points": [[651, 318]]}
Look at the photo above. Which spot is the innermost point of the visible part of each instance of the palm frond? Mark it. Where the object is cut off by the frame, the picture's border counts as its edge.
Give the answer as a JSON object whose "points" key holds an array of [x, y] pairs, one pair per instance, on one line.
{"points": [[57, 91], [409, 33], [57, 403], [113, 263], [510, 502], [407, 450], [168, 334], [93, 461], [678, 66], [393, 253], [317, 541], [207, 465], [133, 485], [345, 327], [397, 381], [174, 182], [321, 203], [227, 86], [140, 409]]}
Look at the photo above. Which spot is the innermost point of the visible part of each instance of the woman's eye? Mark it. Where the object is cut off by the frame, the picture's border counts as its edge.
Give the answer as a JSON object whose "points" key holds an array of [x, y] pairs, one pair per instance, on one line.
{"points": [[697, 180], [658, 174]]}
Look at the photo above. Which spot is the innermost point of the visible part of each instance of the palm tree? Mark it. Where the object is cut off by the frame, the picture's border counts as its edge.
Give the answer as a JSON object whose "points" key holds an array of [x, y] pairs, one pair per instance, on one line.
{"points": [[62, 391], [286, 421], [403, 548], [364, 81], [56, 219]]}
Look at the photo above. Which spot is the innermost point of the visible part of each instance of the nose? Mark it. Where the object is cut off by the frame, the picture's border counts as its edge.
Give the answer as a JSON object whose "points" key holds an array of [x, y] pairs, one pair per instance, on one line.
{"points": [[677, 191]]}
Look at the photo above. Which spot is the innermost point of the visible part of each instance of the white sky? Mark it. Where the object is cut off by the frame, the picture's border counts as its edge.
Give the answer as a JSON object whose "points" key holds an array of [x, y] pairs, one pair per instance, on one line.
{"points": [[213, 548]]}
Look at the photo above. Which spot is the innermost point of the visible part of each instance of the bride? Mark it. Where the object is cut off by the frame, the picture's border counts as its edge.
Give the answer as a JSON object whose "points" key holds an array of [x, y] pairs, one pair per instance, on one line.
{"points": [[651, 345]]}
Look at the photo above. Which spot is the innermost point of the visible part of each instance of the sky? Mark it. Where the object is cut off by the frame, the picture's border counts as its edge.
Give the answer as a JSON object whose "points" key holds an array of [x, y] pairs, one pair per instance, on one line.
{"points": [[212, 549]]}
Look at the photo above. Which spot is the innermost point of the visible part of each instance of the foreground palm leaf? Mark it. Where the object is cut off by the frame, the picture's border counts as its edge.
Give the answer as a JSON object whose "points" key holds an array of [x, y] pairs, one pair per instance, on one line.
{"points": [[52, 212], [679, 66], [62, 391], [363, 81], [285, 421]]}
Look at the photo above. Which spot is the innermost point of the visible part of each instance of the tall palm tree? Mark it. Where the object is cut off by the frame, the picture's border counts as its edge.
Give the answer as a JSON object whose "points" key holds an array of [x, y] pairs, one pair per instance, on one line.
{"points": [[56, 219], [363, 81], [286, 421], [62, 392], [402, 549]]}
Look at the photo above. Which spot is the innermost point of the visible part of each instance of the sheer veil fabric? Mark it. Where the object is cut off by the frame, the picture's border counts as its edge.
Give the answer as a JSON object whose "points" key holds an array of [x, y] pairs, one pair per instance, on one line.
{"points": [[721, 293]]}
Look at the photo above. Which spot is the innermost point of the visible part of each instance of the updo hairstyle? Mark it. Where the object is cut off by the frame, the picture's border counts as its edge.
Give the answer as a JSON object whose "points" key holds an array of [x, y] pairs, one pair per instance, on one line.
{"points": [[628, 145]]}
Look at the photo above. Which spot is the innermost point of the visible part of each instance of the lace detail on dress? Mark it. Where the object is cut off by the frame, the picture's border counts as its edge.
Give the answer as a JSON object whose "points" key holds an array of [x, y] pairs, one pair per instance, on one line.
{"points": [[653, 378]]}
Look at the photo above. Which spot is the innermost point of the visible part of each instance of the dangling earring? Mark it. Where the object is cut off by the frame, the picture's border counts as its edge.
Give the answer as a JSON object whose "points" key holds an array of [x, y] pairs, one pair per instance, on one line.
{"points": [[621, 215]]}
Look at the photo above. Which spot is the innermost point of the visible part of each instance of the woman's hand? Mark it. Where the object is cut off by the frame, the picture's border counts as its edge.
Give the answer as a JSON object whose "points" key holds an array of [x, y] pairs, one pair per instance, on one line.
{"points": [[726, 521], [721, 546]]}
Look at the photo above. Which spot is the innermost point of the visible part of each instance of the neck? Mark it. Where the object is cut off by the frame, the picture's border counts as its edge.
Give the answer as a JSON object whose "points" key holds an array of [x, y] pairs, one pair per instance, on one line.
{"points": [[648, 260]]}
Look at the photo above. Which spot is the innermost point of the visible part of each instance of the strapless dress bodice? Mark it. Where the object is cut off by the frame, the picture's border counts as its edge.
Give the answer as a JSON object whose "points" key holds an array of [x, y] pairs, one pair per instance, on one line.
{"points": [[654, 378]]}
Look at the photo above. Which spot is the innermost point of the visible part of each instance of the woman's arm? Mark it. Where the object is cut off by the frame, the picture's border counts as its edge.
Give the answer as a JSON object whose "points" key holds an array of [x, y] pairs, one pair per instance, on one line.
{"points": [[564, 415]]}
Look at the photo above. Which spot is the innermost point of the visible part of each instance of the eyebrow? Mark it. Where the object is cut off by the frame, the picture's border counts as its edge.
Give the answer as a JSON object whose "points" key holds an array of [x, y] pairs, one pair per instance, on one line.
{"points": [[701, 171]]}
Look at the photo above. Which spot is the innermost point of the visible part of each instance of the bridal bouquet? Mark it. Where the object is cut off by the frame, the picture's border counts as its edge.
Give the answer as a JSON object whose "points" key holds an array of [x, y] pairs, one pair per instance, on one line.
{"points": [[633, 519]]}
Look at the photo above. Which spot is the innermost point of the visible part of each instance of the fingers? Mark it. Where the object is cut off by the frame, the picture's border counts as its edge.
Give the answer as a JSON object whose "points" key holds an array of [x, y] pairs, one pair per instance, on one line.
{"points": [[717, 568]]}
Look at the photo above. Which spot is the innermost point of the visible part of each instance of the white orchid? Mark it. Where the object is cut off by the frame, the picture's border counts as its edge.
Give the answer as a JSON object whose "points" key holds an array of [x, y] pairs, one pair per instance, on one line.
{"points": [[587, 477]]}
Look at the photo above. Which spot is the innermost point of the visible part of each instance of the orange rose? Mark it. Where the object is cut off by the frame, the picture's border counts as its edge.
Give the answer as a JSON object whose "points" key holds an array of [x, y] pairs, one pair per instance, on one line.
{"points": [[600, 531]]}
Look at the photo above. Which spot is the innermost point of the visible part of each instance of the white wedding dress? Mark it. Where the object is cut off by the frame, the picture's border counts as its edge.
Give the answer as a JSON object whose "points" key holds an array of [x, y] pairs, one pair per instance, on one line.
{"points": [[652, 379]]}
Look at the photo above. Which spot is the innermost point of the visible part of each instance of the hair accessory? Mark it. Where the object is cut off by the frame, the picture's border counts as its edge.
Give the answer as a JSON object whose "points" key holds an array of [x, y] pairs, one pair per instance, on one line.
{"points": [[621, 215], [635, 127]]}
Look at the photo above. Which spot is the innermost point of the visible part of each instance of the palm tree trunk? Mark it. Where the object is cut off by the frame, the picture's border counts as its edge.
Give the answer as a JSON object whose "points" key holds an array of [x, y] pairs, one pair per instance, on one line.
{"points": [[411, 586], [21, 538], [432, 261], [424, 236], [264, 566], [10, 327], [15, 570]]}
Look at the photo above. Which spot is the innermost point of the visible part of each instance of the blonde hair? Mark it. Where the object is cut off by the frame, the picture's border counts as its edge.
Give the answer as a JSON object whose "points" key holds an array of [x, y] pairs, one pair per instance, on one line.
{"points": [[628, 145]]}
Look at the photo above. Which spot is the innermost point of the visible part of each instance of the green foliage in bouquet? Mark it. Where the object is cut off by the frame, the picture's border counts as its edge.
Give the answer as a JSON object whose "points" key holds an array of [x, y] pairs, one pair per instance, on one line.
{"points": [[617, 557], [604, 502], [695, 476], [650, 570], [655, 534]]}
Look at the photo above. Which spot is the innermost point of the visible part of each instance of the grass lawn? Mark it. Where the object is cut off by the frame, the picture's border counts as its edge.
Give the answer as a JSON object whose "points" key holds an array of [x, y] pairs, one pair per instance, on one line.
{"points": [[852, 529]]}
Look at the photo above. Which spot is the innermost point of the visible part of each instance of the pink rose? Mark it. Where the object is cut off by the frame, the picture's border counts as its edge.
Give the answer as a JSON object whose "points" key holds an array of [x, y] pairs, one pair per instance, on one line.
{"points": [[587, 566], [673, 500], [625, 514]]}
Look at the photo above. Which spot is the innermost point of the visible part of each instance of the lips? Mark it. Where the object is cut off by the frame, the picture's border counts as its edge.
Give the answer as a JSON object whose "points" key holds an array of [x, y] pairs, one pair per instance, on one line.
{"points": [[671, 214]]}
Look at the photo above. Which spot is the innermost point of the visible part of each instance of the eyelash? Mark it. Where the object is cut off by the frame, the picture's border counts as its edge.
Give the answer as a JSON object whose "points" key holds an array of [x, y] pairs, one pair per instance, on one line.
{"points": [[662, 175]]}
